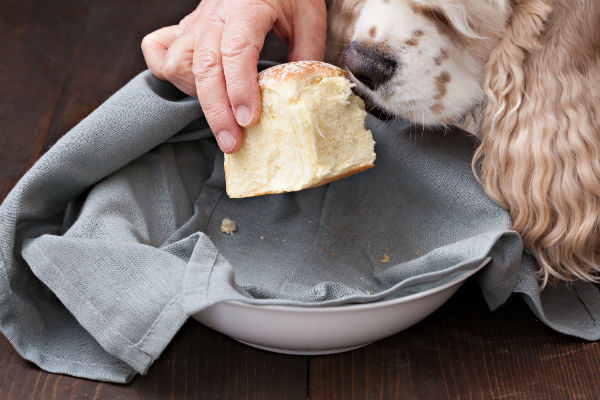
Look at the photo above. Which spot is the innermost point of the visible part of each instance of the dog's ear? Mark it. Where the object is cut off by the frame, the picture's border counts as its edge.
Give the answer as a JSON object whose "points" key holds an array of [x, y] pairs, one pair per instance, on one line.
{"points": [[540, 150], [341, 17]]}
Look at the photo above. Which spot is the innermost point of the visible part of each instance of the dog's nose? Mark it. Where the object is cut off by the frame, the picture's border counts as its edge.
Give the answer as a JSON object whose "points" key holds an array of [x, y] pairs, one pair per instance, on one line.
{"points": [[368, 65]]}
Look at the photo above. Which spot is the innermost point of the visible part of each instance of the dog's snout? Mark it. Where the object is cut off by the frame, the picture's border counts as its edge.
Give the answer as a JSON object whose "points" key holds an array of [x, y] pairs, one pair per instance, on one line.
{"points": [[368, 65]]}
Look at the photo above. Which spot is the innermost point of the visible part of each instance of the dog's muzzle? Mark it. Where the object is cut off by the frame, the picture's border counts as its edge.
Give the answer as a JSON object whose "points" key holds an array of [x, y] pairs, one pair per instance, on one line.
{"points": [[368, 65]]}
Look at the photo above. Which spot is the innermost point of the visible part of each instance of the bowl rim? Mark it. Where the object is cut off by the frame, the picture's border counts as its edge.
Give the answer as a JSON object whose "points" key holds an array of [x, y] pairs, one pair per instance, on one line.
{"points": [[357, 307]]}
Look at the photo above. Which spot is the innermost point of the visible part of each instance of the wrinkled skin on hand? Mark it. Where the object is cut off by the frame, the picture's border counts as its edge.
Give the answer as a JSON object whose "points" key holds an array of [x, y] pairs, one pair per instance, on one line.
{"points": [[213, 54]]}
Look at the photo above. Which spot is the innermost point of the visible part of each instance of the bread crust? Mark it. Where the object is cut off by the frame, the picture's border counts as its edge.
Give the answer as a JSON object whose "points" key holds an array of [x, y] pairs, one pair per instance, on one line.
{"points": [[300, 75], [322, 182], [300, 72], [344, 174]]}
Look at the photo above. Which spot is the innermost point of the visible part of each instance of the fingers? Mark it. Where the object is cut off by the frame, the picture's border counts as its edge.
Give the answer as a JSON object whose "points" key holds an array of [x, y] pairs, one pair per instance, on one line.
{"points": [[307, 41], [177, 64], [214, 51], [240, 48], [211, 88], [155, 46]]}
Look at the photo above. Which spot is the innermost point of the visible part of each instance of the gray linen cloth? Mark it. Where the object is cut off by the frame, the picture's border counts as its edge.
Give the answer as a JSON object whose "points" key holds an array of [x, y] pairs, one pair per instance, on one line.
{"points": [[112, 239]]}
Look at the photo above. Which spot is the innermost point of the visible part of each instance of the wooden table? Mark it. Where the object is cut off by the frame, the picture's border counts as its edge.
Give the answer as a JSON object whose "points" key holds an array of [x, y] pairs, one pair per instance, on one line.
{"points": [[58, 61]]}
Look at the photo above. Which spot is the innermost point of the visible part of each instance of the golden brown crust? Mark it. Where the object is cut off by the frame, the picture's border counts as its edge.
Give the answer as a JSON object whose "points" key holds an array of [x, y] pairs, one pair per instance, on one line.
{"points": [[344, 174], [299, 71], [302, 73]]}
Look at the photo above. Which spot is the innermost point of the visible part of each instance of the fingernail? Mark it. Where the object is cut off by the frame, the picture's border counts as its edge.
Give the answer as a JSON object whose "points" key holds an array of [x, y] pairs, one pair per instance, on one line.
{"points": [[226, 141], [243, 115]]}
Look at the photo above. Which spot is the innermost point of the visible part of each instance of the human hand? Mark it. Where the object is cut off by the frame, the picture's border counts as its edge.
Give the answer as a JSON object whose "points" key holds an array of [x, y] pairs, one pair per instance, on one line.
{"points": [[213, 54]]}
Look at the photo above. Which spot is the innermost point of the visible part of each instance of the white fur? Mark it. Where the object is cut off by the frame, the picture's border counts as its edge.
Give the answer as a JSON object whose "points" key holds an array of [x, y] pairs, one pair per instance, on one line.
{"points": [[411, 92]]}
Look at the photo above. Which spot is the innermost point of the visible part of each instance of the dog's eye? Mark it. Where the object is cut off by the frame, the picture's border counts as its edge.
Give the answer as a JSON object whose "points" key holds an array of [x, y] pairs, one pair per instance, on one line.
{"points": [[437, 17], [440, 18]]}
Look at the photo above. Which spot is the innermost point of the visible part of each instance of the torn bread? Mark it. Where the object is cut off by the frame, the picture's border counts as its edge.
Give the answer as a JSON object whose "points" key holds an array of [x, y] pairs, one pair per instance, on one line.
{"points": [[311, 132]]}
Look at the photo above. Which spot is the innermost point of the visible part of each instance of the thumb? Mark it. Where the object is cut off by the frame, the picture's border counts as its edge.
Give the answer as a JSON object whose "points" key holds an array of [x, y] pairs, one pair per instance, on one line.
{"points": [[309, 31]]}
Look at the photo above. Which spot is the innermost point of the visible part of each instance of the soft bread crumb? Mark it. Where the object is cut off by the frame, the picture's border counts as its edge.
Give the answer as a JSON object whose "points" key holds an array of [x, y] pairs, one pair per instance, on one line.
{"points": [[386, 258], [311, 132], [228, 226]]}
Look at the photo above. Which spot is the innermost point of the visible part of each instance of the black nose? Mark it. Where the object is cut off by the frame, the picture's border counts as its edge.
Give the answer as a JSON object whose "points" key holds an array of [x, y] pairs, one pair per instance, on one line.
{"points": [[369, 65]]}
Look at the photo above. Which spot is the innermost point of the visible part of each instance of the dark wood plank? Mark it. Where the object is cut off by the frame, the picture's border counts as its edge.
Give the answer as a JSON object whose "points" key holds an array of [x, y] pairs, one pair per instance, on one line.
{"points": [[464, 351], [60, 60], [32, 75], [198, 364], [204, 364]]}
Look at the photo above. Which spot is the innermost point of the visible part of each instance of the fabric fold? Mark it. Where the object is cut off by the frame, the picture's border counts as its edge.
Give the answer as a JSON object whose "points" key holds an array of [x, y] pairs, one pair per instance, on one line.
{"points": [[137, 118], [112, 239]]}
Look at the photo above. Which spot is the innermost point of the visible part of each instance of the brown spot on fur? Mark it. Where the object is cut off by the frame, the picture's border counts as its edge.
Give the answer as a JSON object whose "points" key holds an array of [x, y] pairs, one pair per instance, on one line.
{"points": [[435, 15], [440, 82], [437, 108], [372, 32], [414, 40], [441, 57], [444, 77]]}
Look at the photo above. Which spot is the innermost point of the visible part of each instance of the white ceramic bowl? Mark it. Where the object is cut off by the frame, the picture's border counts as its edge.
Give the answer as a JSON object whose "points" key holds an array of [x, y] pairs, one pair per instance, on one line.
{"points": [[325, 330]]}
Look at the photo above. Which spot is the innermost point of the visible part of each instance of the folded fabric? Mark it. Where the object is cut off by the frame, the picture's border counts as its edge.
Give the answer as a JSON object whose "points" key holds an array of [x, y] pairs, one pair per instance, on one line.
{"points": [[113, 238]]}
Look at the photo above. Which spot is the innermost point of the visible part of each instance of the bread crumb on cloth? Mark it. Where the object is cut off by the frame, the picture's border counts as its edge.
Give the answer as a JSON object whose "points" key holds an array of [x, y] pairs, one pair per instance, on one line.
{"points": [[228, 226], [386, 258]]}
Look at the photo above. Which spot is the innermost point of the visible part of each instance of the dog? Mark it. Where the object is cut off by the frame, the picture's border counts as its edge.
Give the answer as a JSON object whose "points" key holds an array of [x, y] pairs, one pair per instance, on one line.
{"points": [[520, 75]]}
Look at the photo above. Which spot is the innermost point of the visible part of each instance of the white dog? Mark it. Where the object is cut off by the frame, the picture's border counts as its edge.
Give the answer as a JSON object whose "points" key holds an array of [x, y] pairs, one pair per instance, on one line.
{"points": [[522, 75]]}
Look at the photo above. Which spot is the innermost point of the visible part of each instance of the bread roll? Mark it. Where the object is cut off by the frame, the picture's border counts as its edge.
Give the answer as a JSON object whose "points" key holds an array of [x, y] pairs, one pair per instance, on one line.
{"points": [[311, 132]]}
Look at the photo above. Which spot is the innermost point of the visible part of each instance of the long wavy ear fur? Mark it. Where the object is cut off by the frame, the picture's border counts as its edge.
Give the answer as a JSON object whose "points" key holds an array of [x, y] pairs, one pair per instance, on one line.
{"points": [[540, 150]]}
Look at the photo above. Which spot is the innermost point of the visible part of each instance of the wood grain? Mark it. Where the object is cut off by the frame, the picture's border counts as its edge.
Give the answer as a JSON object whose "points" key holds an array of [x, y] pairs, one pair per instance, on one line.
{"points": [[58, 61], [198, 364], [463, 351]]}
